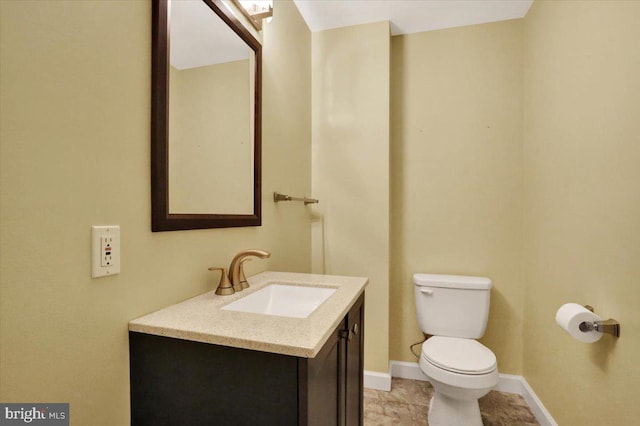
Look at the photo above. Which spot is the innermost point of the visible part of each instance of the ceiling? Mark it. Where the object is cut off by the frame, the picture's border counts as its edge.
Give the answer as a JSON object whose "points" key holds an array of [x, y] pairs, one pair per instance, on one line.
{"points": [[409, 16], [198, 37]]}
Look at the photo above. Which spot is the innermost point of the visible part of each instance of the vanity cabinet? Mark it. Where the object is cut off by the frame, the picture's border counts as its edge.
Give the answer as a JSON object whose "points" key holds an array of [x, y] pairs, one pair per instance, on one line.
{"points": [[182, 382]]}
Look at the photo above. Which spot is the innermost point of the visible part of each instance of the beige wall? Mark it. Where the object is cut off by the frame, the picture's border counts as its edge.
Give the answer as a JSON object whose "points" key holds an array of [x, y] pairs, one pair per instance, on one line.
{"points": [[74, 132], [456, 205], [351, 168], [211, 139], [515, 155], [468, 175], [582, 205]]}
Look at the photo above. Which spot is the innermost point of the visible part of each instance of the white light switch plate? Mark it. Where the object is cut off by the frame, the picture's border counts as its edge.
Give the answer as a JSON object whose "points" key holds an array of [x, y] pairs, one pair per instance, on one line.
{"points": [[105, 250]]}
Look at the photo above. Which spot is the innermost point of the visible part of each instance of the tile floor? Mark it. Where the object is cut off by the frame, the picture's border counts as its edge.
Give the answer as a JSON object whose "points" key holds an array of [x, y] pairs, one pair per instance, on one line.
{"points": [[408, 404]]}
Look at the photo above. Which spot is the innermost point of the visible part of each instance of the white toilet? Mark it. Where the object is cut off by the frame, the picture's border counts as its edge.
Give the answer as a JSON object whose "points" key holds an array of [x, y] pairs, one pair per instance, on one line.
{"points": [[454, 310]]}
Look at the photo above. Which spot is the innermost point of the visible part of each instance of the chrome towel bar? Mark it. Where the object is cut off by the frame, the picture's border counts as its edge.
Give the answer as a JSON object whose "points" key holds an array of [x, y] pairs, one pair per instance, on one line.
{"points": [[281, 197]]}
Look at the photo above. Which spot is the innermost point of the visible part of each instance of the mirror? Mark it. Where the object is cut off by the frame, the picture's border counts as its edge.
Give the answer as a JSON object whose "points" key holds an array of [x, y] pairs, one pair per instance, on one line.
{"points": [[205, 118]]}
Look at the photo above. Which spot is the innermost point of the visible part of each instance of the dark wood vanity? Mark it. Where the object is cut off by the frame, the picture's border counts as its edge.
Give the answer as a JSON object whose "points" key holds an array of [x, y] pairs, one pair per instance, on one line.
{"points": [[182, 382]]}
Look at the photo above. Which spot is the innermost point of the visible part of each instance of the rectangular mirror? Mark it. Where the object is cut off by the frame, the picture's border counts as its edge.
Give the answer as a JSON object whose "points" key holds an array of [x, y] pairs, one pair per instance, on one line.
{"points": [[206, 149]]}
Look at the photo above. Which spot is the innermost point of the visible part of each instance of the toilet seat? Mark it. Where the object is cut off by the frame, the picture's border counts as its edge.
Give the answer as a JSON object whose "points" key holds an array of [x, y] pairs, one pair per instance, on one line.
{"points": [[461, 356], [461, 371]]}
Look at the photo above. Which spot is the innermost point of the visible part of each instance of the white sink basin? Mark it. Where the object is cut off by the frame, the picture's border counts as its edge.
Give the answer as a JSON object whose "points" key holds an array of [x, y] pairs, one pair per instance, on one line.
{"points": [[282, 300]]}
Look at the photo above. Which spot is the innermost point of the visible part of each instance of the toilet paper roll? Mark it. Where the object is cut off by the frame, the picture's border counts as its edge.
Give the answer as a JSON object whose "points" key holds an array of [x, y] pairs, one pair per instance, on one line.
{"points": [[569, 317]]}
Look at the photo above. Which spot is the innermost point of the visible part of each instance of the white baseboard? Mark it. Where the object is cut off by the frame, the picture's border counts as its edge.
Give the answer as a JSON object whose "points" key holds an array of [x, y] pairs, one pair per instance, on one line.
{"points": [[378, 381], [511, 384], [542, 415], [407, 370], [508, 383]]}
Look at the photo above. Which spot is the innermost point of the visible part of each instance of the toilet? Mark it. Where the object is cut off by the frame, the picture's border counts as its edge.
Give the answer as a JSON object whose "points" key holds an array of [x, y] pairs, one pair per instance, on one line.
{"points": [[454, 310]]}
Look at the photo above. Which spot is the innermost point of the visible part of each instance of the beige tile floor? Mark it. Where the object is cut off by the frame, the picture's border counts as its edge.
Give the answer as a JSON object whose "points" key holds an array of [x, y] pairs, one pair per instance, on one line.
{"points": [[408, 404]]}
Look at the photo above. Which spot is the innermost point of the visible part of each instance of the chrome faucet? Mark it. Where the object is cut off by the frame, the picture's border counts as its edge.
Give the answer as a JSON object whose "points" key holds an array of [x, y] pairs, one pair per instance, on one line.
{"points": [[236, 272]]}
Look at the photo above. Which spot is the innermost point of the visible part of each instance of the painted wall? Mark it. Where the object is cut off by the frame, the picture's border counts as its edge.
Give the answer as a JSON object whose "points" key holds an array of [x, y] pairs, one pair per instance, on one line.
{"points": [[350, 176], [456, 167], [74, 152], [582, 204], [475, 189], [211, 139], [515, 155]]}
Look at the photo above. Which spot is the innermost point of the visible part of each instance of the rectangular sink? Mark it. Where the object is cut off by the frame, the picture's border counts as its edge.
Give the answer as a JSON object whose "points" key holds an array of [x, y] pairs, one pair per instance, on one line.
{"points": [[282, 300]]}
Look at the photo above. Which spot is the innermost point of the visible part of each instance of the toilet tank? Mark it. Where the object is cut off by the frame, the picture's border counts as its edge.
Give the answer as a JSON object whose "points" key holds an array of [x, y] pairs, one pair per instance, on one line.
{"points": [[452, 305]]}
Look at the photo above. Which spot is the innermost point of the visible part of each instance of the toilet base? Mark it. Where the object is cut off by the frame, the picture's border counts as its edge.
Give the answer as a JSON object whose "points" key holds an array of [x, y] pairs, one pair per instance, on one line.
{"points": [[455, 397], [446, 411]]}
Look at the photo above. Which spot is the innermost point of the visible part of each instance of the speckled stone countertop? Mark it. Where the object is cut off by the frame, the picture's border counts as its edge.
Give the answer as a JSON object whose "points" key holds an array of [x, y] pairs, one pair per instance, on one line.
{"points": [[200, 319]]}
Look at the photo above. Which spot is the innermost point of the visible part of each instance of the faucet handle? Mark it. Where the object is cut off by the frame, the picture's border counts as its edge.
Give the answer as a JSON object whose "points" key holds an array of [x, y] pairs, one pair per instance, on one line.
{"points": [[243, 279], [224, 286]]}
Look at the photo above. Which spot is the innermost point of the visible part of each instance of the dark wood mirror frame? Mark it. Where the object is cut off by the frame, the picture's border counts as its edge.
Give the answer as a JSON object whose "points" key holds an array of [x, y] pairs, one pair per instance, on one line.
{"points": [[161, 218]]}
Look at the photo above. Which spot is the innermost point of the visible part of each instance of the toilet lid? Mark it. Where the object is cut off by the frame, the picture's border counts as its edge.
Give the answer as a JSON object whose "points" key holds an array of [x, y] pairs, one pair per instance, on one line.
{"points": [[464, 356]]}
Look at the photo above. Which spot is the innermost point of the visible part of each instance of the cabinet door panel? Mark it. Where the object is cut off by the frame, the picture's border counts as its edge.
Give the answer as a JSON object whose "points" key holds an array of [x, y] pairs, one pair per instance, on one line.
{"points": [[355, 364], [320, 380], [179, 382]]}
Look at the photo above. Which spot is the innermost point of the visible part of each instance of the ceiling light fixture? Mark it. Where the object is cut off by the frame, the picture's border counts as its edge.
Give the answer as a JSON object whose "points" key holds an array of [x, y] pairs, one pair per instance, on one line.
{"points": [[255, 10]]}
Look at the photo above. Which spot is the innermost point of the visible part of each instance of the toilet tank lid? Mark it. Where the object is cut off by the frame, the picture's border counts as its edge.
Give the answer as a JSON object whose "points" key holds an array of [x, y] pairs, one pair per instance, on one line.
{"points": [[452, 281]]}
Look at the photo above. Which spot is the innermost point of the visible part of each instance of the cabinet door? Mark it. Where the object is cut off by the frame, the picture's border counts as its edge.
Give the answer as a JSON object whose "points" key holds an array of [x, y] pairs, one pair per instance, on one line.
{"points": [[319, 382], [354, 364], [331, 383], [179, 382]]}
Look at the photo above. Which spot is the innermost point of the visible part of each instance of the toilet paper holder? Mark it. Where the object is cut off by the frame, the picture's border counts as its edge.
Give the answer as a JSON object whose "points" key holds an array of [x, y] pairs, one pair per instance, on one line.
{"points": [[609, 326]]}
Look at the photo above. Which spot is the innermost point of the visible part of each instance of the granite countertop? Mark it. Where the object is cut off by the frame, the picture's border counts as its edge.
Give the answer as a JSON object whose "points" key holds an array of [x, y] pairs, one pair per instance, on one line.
{"points": [[200, 319]]}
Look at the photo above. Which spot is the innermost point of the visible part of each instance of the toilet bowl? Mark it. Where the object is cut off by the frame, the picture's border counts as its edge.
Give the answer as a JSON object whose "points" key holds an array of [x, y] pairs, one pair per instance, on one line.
{"points": [[461, 371], [454, 310]]}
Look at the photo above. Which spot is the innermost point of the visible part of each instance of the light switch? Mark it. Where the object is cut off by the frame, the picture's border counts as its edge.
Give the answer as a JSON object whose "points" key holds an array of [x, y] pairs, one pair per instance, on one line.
{"points": [[105, 250]]}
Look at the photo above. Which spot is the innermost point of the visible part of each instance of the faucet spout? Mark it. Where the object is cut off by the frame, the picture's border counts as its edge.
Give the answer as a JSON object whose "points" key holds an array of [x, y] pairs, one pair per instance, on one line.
{"points": [[236, 273]]}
